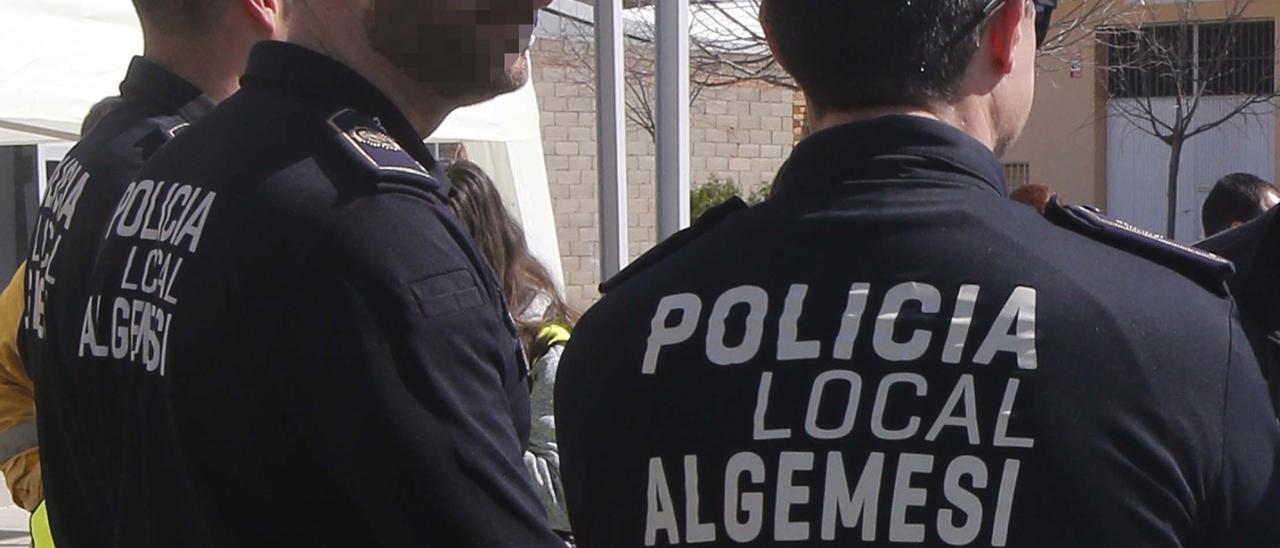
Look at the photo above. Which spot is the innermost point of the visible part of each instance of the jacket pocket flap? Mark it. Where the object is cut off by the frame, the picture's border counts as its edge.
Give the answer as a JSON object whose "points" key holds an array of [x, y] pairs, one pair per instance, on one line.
{"points": [[447, 293]]}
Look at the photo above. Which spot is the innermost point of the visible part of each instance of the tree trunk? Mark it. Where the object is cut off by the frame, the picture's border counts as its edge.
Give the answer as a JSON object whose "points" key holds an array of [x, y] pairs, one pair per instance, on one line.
{"points": [[1175, 160]]}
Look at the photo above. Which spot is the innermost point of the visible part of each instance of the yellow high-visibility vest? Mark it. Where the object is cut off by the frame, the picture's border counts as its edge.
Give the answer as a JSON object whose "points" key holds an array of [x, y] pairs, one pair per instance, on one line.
{"points": [[553, 334], [41, 535]]}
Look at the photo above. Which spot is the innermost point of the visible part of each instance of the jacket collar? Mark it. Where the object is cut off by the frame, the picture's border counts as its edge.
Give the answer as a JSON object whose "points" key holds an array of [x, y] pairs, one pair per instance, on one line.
{"points": [[892, 147], [312, 74], [148, 81]]}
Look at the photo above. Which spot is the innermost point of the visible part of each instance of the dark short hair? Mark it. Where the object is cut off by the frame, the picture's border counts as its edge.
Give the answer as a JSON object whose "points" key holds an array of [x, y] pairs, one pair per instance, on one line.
{"points": [[179, 16], [857, 53], [99, 111], [1236, 197]]}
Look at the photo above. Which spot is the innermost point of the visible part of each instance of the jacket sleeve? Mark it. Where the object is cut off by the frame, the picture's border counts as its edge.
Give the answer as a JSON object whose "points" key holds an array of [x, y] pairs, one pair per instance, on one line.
{"points": [[19, 460], [399, 375], [1249, 510], [542, 459]]}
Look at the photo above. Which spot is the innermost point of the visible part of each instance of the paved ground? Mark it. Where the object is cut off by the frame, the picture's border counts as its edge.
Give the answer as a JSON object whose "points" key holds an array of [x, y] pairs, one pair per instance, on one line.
{"points": [[13, 522]]}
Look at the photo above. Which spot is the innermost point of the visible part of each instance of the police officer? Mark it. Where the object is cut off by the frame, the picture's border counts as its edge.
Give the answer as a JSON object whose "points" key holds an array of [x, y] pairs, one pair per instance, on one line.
{"points": [[889, 351], [174, 83], [308, 348], [1252, 247]]}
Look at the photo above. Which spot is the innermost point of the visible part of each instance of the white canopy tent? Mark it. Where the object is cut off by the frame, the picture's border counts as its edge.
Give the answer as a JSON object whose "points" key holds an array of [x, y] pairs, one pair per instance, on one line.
{"points": [[62, 56]]}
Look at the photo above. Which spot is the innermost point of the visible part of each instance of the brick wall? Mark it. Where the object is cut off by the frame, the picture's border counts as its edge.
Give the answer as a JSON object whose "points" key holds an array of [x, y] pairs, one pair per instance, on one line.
{"points": [[743, 132]]}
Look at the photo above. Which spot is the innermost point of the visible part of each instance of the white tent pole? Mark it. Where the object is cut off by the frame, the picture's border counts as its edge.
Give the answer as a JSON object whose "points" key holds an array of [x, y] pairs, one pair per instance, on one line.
{"points": [[611, 128], [39, 130], [673, 116]]}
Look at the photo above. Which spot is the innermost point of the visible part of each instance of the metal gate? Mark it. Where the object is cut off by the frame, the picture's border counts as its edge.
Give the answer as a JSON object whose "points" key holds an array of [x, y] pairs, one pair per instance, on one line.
{"points": [[1137, 163]]}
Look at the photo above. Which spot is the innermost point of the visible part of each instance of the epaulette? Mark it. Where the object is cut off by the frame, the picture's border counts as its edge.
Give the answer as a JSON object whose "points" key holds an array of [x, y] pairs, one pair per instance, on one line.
{"points": [[379, 153], [159, 132], [708, 220], [1206, 269], [173, 126]]}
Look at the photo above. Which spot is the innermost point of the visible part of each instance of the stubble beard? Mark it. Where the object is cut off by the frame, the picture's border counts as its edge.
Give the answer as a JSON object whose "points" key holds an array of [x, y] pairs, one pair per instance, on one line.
{"points": [[510, 77]]}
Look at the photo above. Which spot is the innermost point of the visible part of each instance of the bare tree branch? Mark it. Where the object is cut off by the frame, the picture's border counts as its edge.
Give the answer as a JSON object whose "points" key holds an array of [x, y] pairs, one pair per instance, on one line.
{"points": [[726, 48], [1184, 62], [1077, 24]]}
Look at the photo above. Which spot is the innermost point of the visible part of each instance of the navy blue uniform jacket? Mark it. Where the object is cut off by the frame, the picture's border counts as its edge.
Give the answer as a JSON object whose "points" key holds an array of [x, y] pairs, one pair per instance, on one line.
{"points": [[310, 350], [1255, 250], [81, 415], [889, 351]]}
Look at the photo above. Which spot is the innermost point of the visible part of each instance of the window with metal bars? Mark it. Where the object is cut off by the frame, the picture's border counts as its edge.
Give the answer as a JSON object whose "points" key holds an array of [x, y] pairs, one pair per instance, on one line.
{"points": [[1017, 174], [1226, 58]]}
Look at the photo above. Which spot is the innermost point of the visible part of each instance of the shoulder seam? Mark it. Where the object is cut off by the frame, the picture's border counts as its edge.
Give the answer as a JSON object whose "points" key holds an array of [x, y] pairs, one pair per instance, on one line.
{"points": [[1226, 394]]}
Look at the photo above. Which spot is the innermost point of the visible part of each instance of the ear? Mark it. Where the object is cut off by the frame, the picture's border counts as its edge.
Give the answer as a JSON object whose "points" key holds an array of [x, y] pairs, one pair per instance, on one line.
{"points": [[1005, 29], [266, 15], [768, 32]]}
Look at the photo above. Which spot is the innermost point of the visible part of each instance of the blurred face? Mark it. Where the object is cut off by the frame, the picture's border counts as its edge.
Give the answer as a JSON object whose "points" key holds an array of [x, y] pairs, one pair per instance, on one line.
{"points": [[468, 50], [1012, 99]]}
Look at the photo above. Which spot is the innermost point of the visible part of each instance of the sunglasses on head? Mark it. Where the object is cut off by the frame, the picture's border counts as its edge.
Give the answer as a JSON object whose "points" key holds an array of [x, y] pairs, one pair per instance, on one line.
{"points": [[1044, 14]]}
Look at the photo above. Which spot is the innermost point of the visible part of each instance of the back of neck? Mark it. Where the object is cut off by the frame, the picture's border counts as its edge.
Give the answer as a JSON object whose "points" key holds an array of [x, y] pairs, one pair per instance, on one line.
{"points": [[207, 64], [966, 115]]}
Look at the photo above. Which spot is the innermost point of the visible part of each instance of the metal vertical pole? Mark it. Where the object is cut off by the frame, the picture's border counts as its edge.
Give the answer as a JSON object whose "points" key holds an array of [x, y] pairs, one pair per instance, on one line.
{"points": [[611, 138], [673, 116]]}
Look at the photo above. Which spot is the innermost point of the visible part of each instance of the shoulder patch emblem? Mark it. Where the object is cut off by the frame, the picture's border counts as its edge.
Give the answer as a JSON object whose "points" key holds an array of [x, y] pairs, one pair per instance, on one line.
{"points": [[362, 136], [374, 138], [1207, 269]]}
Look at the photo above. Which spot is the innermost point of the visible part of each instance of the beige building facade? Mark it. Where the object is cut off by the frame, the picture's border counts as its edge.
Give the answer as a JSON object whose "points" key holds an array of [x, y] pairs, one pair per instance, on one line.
{"points": [[1072, 145]]}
